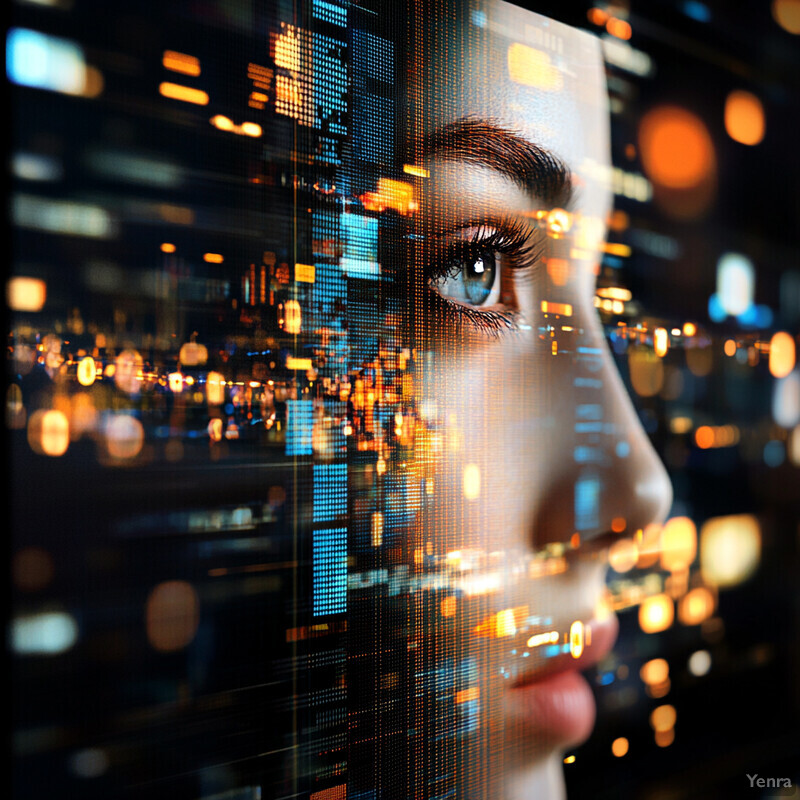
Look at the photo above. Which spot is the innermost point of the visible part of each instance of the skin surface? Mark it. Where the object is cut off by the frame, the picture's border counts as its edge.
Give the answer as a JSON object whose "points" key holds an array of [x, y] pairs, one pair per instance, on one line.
{"points": [[506, 405]]}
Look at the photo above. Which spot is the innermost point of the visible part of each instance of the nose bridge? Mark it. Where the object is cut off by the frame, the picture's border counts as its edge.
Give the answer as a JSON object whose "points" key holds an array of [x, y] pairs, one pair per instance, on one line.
{"points": [[605, 472]]}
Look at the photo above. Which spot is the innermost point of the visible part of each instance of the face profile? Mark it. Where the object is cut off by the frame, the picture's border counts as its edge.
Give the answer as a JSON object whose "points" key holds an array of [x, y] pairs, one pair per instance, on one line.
{"points": [[361, 446], [541, 450]]}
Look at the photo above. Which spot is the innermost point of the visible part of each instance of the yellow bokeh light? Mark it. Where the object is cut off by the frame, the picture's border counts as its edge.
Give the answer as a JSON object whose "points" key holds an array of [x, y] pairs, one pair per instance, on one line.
{"points": [[661, 342], [663, 718], [729, 348], [656, 613], [619, 747], [168, 247], [26, 294], [646, 371], [175, 91], [86, 371], [781, 354], [654, 671], [530, 67], [689, 329], [744, 117], [649, 543], [696, 606], [576, 639], [124, 437], [623, 555], [48, 432], [678, 543], [181, 62], [215, 388], [292, 317], [471, 481], [730, 549]]}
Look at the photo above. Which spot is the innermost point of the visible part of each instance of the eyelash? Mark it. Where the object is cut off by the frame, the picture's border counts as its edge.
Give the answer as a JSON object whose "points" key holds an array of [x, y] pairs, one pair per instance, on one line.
{"points": [[509, 238]]}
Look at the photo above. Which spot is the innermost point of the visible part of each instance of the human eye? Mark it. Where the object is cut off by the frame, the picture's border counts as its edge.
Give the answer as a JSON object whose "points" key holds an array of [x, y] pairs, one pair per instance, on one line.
{"points": [[473, 272]]}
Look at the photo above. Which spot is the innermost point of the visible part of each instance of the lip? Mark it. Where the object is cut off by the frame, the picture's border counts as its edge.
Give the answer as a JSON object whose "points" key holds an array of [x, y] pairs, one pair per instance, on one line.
{"points": [[556, 704]]}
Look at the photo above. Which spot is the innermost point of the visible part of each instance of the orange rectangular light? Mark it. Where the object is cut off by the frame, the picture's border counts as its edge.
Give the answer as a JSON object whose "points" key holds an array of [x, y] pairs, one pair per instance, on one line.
{"points": [[181, 62], [563, 309], [298, 363], [176, 91], [304, 273]]}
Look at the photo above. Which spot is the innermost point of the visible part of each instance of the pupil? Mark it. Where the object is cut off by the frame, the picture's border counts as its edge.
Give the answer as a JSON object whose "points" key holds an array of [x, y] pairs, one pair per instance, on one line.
{"points": [[478, 276]]}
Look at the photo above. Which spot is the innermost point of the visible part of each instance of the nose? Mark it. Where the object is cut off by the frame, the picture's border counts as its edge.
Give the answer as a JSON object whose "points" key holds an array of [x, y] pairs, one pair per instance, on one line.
{"points": [[606, 475]]}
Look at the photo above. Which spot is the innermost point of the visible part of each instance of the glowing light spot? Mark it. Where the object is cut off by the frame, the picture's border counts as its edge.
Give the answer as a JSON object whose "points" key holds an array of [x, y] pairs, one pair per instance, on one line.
{"points": [[376, 529], [661, 342], [665, 738], [787, 14], [654, 671], [730, 549], [172, 615], [124, 436], [649, 543], [704, 437], [215, 388], [418, 172], [304, 273], [539, 639], [530, 67], [215, 429], [181, 62], [448, 606], [48, 432], [175, 91], [558, 222], [781, 354], [26, 294], [689, 329], [569, 760], [662, 718], [656, 613], [168, 247], [505, 625], [175, 382], [646, 371], [45, 62], [675, 147], [562, 309], [699, 663], [619, 27], [696, 606], [471, 481], [213, 258], [744, 117], [786, 400], [729, 348], [735, 283], [86, 371], [292, 317], [48, 633], [576, 639], [678, 543], [619, 747], [623, 555]]}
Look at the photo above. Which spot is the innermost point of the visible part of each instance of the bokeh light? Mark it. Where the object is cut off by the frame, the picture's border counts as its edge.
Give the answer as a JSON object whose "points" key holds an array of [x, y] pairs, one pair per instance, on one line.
{"points": [[172, 615], [656, 613], [744, 117], [730, 549], [675, 148]]}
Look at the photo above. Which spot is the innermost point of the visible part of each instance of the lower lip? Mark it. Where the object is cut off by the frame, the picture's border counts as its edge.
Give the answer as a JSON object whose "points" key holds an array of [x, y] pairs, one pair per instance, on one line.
{"points": [[559, 709]]}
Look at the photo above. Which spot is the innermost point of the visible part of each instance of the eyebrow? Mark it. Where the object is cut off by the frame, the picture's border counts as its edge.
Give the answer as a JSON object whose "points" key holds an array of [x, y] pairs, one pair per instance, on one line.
{"points": [[536, 170]]}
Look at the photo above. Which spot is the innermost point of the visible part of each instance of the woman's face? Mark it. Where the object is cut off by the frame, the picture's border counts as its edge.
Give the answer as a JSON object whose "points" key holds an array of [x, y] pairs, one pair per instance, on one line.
{"points": [[533, 457]]}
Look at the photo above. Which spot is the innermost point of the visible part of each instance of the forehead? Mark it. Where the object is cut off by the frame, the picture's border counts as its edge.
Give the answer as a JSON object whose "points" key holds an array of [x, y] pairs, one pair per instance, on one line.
{"points": [[501, 63]]}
